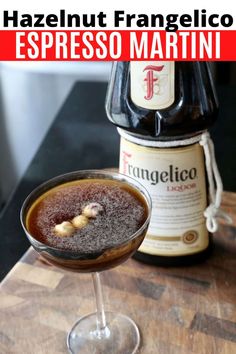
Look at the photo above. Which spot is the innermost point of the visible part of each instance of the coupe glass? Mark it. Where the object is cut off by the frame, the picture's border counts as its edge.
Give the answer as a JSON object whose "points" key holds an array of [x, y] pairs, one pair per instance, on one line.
{"points": [[103, 331]]}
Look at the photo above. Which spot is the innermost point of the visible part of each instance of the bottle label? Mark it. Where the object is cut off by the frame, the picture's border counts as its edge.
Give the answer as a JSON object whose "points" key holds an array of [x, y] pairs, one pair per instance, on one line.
{"points": [[175, 179], [152, 83]]}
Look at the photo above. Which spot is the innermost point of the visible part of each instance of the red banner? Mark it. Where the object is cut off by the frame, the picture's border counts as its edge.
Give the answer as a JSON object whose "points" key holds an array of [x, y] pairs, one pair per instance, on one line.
{"points": [[117, 45]]}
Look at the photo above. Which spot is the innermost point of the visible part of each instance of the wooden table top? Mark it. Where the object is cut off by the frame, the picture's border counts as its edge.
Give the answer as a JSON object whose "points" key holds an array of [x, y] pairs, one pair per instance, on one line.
{"points": [[178, 310]]}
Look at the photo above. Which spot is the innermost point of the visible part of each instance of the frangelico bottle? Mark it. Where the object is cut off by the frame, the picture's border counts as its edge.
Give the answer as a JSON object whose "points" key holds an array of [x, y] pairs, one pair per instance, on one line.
{"points": [[160, 108]]}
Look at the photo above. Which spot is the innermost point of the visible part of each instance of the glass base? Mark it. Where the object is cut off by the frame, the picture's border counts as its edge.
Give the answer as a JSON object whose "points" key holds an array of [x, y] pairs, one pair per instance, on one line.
{"points": [[120, 336]]}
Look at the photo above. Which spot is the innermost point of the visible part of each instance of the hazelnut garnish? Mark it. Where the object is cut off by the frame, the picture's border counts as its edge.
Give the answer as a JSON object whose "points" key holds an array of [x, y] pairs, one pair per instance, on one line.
{"points": [[80, 221], [92, 210], [64, 229]]}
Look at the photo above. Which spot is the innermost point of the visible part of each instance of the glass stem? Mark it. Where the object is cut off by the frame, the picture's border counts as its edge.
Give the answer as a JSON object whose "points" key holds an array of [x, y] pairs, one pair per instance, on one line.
{"points": [[101, 318]]}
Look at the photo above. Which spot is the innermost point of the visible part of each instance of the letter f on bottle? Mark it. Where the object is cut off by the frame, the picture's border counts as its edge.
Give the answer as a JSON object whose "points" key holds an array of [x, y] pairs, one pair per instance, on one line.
{"points": [[150, 79]]}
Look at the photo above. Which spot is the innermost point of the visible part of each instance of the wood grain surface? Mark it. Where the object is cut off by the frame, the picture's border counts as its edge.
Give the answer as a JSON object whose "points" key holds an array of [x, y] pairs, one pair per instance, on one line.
{"points": [[178, 310]]}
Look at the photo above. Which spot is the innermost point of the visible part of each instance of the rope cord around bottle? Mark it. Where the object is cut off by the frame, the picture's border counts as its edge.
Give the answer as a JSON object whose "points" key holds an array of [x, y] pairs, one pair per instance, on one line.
{"points": [[213, 211]]}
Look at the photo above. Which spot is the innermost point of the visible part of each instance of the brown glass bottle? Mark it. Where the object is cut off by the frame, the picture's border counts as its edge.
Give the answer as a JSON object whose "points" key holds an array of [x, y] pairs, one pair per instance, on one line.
{"points": [[155, 102]]}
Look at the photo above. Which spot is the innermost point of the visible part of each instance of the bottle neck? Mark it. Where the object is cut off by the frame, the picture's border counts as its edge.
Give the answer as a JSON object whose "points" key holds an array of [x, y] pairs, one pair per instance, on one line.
{"points": [[182, 140]]}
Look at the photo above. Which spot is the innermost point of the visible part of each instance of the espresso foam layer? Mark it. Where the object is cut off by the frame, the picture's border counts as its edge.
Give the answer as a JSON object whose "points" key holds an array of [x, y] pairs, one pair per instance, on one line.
{"points": [[124, 212]]}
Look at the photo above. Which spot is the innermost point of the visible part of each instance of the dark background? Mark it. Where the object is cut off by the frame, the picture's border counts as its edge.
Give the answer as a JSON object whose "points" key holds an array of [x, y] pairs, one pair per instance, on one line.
{"points": [[224, 131]]}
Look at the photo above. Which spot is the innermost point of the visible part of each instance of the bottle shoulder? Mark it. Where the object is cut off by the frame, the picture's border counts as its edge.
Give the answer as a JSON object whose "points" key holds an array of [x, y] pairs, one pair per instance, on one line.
{"points": [[195, 105]]}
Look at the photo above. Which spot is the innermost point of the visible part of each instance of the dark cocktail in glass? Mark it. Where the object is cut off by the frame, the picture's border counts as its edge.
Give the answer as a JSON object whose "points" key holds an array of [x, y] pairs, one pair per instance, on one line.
{"points": [[89, 221]]}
